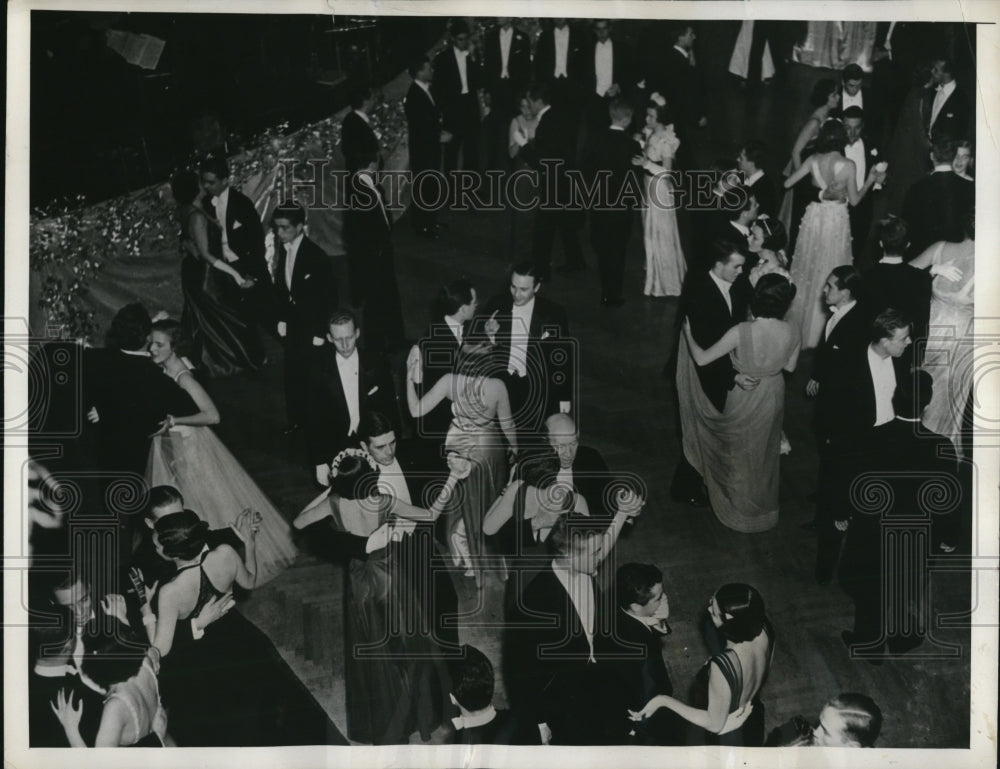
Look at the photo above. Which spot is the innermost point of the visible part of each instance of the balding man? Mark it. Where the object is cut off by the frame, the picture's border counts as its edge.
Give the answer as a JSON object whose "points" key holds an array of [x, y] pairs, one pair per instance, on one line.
{"points": [[580, 466]]}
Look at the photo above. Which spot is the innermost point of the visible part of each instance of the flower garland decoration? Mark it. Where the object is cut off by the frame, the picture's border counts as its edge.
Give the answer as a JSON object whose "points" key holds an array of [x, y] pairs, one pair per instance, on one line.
{"points": [[361, 453]]}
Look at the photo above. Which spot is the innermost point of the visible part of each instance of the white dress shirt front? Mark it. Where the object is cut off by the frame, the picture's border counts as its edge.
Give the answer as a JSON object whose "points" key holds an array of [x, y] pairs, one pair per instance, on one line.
{"points": [[506, 36], [349, 370], [943, 92], [884, 379], [520, 328], [221, 203], [580, 588], [392, 482], [461, 57], [604, 66], [836, 314], [856, 152], [853, 101], [291, 249], [724, 287], [562, 51]]}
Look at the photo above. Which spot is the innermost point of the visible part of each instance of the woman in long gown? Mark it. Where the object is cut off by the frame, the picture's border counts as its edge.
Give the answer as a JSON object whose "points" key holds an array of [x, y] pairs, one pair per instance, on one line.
{"points": [[665, 265], [395, 675], [479, 404], [949, 355], [824, 240], [740, 447], [223, 343], [186, 454], [229, 688], [824, 98], [727, 709]]}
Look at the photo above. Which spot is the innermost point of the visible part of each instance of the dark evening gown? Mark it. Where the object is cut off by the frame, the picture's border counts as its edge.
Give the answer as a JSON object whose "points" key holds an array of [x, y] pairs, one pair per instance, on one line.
{"points": [[223, 342], [396, 674], [231, 688]]}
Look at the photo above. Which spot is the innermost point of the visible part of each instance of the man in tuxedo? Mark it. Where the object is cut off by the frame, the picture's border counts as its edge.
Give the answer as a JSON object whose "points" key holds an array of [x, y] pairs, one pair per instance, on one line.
{"points": [[242, 238], [894, 283], [910, 457], [714, 301], [580, 467], [858, 406], [128, 398], [552, 152], [936, 206], [846, 332], [305, 293], [640, 627], [558, 61], [865, 154], [408, 474], [609, 74], [357, 138], [423, 121], [532, 351], [681, 84], [946, 110], [736, 226], [367, 235], [454, 309], [506, 72], [559, 674], [345, 383], [479, 723], [899, 48], [758, 183], [613, 150], [458, 81], [853, 93]]}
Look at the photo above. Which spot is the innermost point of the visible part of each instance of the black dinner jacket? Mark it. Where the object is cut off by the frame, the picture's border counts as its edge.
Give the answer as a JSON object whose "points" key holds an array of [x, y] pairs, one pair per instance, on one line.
{"points": [[704, 305], [640, 673], [423, 120], [245, 235], [547, 318], [612, 150], [592, 479], [873, 155], [367, 225], [502, 730], [551, 679], [326, 431], [518, 60], [955, 118], [447, 87], [132, 396], [622, 70], [766, 193], [903, 288], [935, 208], [545, 56], [852, 397], [849, 335], [554, 141], [684, 91], [439, 353], [313, 295], [357, 139]]}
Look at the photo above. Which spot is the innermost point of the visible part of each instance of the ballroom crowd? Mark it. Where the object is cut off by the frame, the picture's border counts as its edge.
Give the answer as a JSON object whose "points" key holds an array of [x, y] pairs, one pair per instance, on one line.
{"points": [[443, 462]]}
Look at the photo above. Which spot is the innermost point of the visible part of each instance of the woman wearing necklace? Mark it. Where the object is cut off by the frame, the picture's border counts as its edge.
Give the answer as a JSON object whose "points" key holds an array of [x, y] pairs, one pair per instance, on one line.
{"points": [[188, 455]]}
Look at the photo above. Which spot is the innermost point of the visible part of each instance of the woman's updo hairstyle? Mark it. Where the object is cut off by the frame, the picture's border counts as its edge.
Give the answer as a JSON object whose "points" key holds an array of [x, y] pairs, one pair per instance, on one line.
{"points": [[182, 535], [746, 609], [355, 478]]}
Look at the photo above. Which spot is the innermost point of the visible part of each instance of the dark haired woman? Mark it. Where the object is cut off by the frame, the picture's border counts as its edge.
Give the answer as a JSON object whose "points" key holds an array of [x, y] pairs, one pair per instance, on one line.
{"points": [[132, 714], [223, 343], [740, 447], [186, 454], [665, 265], [728, 685], [824, 240], [479, 402], [230, 687], [395, 676]]}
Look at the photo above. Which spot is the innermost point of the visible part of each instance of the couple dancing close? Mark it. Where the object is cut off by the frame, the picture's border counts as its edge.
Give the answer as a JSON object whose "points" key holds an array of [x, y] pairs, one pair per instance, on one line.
{"points": [[732, 354]]}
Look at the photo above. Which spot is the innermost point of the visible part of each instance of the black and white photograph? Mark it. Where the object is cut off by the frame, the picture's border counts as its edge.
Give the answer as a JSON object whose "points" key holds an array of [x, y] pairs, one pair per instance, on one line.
{"points": [[404, 386]]}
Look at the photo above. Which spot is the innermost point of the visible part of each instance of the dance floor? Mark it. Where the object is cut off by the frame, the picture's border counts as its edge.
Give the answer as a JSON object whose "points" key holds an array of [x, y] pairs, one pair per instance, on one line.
{"points": [[628, 413]]}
